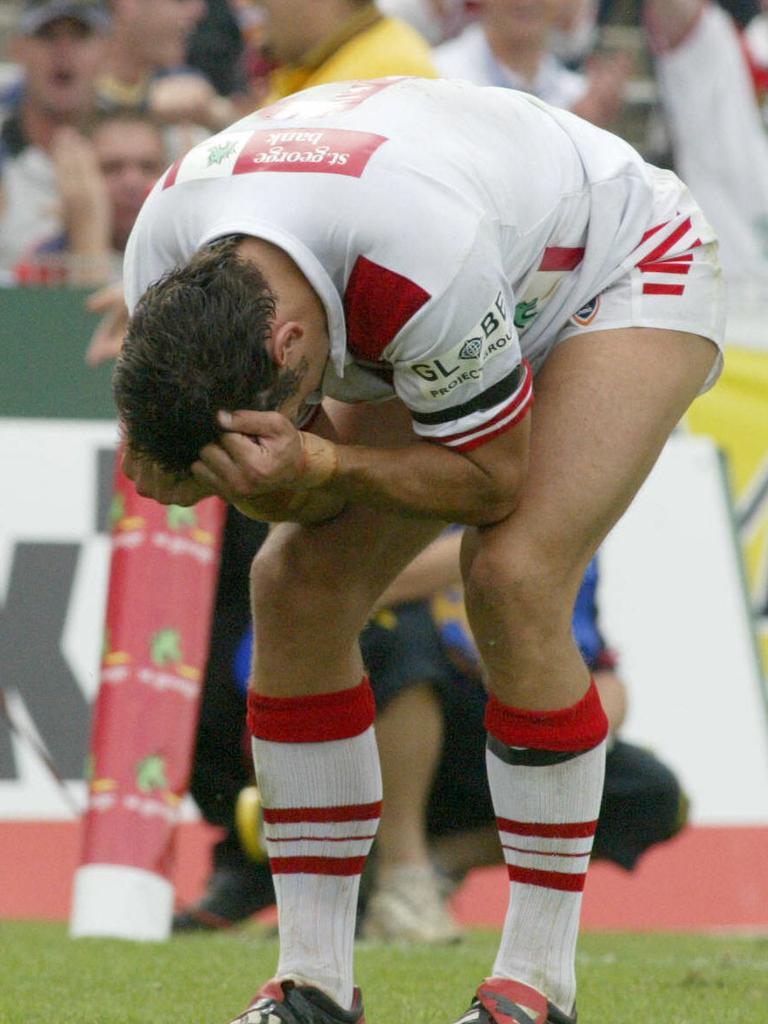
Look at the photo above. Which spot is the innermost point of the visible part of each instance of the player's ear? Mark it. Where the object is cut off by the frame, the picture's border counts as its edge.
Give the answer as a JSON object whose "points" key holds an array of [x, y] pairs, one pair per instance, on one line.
{"points": [[287, 338]]}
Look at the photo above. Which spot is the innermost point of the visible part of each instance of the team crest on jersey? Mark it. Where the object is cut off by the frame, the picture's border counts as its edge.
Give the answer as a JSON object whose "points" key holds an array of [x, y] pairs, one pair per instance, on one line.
{"points": [[584, 316], [217, 154]]}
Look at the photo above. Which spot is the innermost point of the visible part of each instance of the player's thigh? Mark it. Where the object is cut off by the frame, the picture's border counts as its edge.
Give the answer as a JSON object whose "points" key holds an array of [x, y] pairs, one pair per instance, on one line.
{"points": [[606, 402]]}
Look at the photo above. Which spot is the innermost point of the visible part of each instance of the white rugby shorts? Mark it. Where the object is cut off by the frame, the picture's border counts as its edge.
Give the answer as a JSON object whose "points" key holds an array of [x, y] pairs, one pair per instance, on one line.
{"points": [[676, 284]]}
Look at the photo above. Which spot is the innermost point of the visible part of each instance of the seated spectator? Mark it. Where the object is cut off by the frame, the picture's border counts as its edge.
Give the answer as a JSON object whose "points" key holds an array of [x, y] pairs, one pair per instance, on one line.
{"points": [[509, 46], [103, 180], [712, 80], [58, 46], [438, 821]]}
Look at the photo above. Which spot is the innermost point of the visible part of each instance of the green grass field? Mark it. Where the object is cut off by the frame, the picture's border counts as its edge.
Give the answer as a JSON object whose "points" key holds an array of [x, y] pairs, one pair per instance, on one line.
{"points": [[46, 978]]}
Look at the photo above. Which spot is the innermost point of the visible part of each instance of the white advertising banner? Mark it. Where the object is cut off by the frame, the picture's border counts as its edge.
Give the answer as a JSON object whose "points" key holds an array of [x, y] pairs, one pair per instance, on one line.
{"points": [[672, 600]]}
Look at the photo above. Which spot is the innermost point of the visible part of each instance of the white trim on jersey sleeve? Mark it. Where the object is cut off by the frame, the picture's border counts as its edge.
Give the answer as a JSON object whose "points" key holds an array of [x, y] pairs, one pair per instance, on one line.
{"points": [[476, 427]]}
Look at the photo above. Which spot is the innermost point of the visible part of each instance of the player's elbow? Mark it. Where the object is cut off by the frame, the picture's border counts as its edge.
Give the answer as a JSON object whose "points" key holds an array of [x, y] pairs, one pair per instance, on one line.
{"points": [[496, 499]]}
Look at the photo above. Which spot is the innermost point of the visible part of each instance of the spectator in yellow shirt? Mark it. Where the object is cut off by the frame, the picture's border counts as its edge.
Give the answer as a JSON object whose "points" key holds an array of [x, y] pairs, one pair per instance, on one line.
{"points": [[317, 41]]}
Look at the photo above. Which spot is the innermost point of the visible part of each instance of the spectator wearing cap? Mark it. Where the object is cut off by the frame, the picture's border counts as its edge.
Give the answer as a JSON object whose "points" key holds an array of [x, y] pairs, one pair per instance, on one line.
{"points": [[58, 46]]}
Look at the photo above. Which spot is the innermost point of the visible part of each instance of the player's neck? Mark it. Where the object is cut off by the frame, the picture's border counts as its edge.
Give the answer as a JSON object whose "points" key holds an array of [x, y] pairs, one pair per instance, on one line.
{"points": [[295, 296]]}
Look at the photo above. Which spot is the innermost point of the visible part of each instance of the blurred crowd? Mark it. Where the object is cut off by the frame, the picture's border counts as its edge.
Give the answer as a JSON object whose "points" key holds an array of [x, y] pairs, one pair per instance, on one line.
{"points": [[97, 96]]}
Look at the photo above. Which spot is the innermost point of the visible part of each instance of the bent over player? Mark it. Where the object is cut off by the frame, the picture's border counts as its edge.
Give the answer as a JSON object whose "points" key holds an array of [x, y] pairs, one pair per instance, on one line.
{"points": [[420, 252]]}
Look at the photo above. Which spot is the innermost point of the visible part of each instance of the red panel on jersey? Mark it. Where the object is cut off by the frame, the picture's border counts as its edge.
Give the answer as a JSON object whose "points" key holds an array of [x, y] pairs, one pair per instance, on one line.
{"points": [[378, 302], [561, 257], [173, 170]]}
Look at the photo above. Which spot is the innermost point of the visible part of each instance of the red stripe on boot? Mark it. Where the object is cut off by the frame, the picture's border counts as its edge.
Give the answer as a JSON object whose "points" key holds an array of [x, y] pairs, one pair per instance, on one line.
{"points": [[579, 727], [546, 879], [313, 719]]}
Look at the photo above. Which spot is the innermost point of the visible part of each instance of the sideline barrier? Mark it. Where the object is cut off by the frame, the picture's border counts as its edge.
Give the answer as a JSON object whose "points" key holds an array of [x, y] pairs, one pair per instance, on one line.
{"points": [[161, 588]]}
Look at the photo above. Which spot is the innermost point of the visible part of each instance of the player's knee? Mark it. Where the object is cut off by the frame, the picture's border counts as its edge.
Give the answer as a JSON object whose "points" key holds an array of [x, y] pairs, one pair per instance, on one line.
{"points": [[521, 578], [272, 582], [292, 583]]}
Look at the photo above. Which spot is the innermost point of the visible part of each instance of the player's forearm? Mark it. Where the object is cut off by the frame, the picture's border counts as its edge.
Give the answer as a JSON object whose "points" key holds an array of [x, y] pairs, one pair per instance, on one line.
{"points": [[425, 481], [305, 507]]}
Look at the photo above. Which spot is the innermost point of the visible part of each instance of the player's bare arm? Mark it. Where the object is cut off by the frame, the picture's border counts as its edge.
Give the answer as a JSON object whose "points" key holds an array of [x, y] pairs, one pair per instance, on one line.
{"points": [[263, 452]]}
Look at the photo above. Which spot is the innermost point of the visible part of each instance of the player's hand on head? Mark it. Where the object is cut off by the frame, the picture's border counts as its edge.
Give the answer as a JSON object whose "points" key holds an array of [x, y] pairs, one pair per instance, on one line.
{"points": [[152, 481], [259, 452]]}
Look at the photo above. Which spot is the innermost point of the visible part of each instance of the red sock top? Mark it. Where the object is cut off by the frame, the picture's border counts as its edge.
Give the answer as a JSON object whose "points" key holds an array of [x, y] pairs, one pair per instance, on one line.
{"points": [[579, 727], [313, 719]]}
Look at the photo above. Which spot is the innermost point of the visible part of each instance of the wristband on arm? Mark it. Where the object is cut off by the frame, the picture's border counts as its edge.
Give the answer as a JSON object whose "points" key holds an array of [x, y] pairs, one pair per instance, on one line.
{"points": [[321, 460]]}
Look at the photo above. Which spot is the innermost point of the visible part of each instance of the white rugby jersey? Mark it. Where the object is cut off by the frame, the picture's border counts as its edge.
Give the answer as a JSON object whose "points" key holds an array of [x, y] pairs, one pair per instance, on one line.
{"points": [[449, 231]]}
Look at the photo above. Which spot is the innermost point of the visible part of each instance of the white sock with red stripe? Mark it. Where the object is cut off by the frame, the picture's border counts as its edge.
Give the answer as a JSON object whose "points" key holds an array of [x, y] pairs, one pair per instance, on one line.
{"points": [[317, 767], [545, 770]]}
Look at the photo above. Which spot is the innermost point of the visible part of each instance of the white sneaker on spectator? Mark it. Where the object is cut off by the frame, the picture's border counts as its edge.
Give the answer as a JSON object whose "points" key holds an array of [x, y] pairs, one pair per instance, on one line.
{"points": [[407, 907]]}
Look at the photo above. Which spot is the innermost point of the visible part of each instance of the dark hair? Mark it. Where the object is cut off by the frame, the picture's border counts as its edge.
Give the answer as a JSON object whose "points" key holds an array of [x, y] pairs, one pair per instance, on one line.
{"points": [[196, 343], [124, 115]]}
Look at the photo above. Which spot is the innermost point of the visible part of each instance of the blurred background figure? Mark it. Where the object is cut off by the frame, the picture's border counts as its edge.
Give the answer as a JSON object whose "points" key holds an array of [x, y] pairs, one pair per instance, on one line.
{"points": [[435, 20], [713, 81], [58, 46], [145, 66], [510, 45], [575, 31], [316, 41], [103, 179]]}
